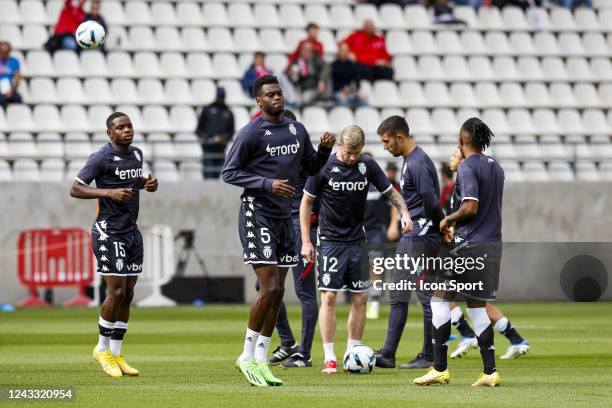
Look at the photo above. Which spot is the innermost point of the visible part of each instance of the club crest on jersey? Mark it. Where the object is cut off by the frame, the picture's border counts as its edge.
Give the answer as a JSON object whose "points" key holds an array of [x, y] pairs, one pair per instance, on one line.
{"points": [[137, 155], [119, 264], [326, 279], [267, 251], [362, 168], [283, 150], [292, 129]]}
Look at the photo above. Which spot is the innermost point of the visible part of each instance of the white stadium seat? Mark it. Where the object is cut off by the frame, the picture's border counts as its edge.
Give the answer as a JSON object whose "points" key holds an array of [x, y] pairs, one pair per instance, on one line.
{"points": [[156, 118], [411, 94], [22, 145], [445, 122], [246, 40], [273, 40], [455, 68], [561, 19], [151, 91], [560, 171], [39, 64], [177, 91], [431, 68], [191, 171], [187, 145], [52, 169], [193, 39], [141, 38], [162, 146], [42, 90], [512, 94], [343, 17], [165, 171], [203, 91], [113, 12], [226, 66], [490, 18], [545, 122], [199, 65], [234, 93], [521, 121], [339, 117], [93, 64], [535, 171], [10, 12], [522, 44], [19, 118], [70, 90], [473, 43], [595, 45], [33, 37], [463, 95], [586, 171], [168, 39], [391, 17], [424, 43], [448, 43], [369, 119], [50, 145], [137, 13], [385, 94], [77, 146], [578, 69], [146, 64], [240, 15], [220, 39], [163, 14], [481, 68], [188, 14], [34, 12], [398, 43], [369, 11], [405, 68], [505, 69], [529, 69], [183, 119], [124, 91], [537, 94], [266, 15], [75, 119], [317, 13], [97, 118], [120, 65], [514, 19], [416, 17], [26, 170], [420, 121], [595, 122], [546, 44], [172, 65], [214, 15], [586, 19]]}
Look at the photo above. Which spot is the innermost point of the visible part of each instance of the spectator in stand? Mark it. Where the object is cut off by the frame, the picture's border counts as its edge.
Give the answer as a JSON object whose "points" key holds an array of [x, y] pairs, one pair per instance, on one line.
{"points": [[443, 13], [308, 75], [94, 15], [447, 188], [256, 69], [9, 76], [345, 79], [215, 129], [313, 33], [63, 36], [370, 52]]}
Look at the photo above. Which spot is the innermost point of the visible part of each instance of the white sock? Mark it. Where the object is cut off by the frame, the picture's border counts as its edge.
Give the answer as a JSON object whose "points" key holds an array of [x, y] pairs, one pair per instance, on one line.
{"points": [[352, 342], [456, 315], [440, 312], [115, 344], [261, 350], [104, 341], [480, 319], [502, 324], [248, 352], [328, 348]]}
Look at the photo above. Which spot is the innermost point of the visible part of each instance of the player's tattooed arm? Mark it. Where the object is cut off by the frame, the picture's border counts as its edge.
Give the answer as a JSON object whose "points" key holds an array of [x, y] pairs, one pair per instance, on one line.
{"points": [[468, 209], [398, 202], [305, 215], [79, 190]]}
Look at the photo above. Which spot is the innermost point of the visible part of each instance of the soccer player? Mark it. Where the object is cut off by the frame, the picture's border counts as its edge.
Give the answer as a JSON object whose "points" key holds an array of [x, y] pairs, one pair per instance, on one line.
{"points": [[116, 240], [266, 159], [343, 189], [421, 190], [475, 233], [290, 354], [518, 345]]}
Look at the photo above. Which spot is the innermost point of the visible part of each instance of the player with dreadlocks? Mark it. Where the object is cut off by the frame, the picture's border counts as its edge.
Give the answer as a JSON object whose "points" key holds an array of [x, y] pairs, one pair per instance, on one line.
{"points": [[474, 233]]}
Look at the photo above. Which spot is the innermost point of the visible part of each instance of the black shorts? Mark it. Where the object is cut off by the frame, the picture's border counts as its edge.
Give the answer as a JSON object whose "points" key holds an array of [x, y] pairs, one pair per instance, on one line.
{"points": [[117, 255], [475, 271], [266, 241], [376, 242], [340, 267]]}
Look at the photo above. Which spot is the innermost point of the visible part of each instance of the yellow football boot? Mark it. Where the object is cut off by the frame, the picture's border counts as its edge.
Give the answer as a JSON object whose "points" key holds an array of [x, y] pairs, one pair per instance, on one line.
{"points": [[433, 376], [488, 380], [108, 363], [125, 367]]}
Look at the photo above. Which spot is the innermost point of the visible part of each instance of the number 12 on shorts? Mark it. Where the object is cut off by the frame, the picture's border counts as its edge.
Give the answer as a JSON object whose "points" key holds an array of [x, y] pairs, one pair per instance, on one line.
{"points": [[333, 264]]}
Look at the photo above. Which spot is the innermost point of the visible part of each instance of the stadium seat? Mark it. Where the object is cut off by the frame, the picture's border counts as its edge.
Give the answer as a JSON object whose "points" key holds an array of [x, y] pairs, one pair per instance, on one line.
{"points": [[586, 20], [490, 18], [436, 94], [240, 15], [480, 67], [188, 14], [124, 92], [570, 122], [10, 12], [220, 40], [561, 19], [430, 67], [47, 118], [545, 122], [70, 90], [316, 120], [113, 13], [118, 39], [392, 17], [93, 64], [156, 119], [330, 44], [137, 13], [292, 15], [5, 171], [22, 145], [163, 14], [562, 95], [34, 12], [537, 94], [4, 148], [605, 169], [214, 15], [546, 44], [163, 147], [497, 43], [52, 169], [521, 122], [514, 19], [586, 95], [66, 63], [571, 44], [75, 119], [203, 91], [497, 122], [246, 40], [168, 39], [77, 146], [369, 119], [317, 13], [19, 118], [187, 145], [151, 91], [97, 118], [529, 69], [182, 119], [385, 94], [141, 38], [463, 95], [473, 43], [423, 42], [165, 171], [120, 65], [191, 171], [595, 45], [39, 63], [193, 39], [416, 17], [42, 90], [266, 15], [586, 171], [13, 32], [445, 123], [398, 43], [504, 151], [74, 166], [177, 91], [535, 171], [241, 116], [226, 66], [50, 145], [560, 171], [146, 64], [505, 69], [595, 122], [405, 68], [512, 171], [234, 93], [448, 43], [411, 94], [368, 11], [172, 65], [199, 65], [420, 122], [455, 68], [273, 40], [33, 37], [512, 94], [26, 170], [139, 124], [339, 117], [522, 44]]}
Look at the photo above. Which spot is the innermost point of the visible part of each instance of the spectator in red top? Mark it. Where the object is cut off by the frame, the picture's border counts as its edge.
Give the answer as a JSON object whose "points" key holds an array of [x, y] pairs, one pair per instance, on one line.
{"points": [[313, 32], [69, 19], [370, 52]]}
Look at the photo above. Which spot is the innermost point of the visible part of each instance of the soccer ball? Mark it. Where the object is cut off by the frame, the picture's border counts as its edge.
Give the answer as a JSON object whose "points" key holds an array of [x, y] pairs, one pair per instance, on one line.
{"points": [[359, 359], [90, 35]]}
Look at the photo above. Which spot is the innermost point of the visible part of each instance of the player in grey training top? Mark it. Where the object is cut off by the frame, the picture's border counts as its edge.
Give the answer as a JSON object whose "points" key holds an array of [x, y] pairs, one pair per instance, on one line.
{"points": [[265, 160], [342, 186], [476, 241]]}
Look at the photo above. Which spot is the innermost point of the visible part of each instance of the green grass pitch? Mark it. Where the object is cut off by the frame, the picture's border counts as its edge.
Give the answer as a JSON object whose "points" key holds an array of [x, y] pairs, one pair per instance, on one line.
{"points": [[186, 357]]}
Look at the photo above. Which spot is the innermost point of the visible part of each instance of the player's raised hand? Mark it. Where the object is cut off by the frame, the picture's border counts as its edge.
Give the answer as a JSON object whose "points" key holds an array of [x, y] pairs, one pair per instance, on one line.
{"points": [[406, 222], [328, 140], [151, 184], [308, 251], [120, 194], [283, 188]]}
